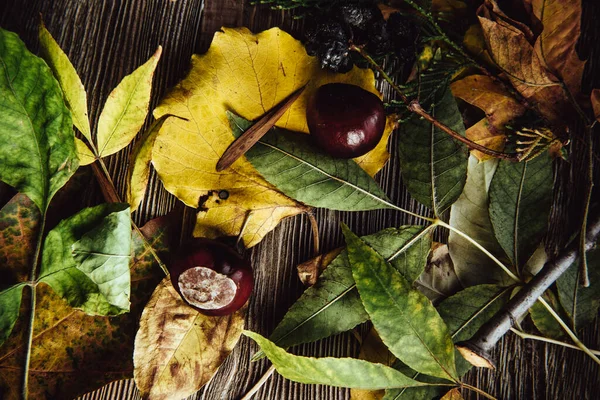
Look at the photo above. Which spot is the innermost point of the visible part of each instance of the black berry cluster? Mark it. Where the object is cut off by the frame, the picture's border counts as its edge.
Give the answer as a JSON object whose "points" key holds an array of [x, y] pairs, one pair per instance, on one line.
{"points": [[362, 24]]}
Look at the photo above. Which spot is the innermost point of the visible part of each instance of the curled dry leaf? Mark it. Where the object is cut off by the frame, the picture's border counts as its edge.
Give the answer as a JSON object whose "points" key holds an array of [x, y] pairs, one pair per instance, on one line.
{"points": [[177, 349], [511, 47], [309, 271], [438, 280], [556, 45], [248, 74], [499, 105], [595, 98]]}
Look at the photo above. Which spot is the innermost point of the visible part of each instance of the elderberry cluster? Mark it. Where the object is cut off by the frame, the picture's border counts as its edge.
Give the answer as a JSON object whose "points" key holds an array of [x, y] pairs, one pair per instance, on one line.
{"points": [[362, 24]]}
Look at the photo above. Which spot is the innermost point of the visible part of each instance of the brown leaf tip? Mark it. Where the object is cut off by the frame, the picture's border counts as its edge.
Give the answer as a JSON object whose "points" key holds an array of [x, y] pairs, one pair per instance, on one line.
{"points": [[475, 356]]}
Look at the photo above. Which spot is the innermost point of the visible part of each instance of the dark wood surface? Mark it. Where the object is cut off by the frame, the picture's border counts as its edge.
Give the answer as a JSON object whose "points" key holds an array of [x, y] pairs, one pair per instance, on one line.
{"points": [[107, 39]]}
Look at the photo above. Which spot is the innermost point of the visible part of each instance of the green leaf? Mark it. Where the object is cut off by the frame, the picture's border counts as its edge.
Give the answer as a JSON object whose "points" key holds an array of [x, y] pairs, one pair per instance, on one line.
{"points": [[520, 200], [37, 147], [342, 372], [433, 164], [139, 164], [332, 305], [126, 108], [290, 162], [470, 215], [466, 311], [544, 321], [416, 393], [10, 303], [86, 259], [405, 319], [581, 304], [70, 83]]}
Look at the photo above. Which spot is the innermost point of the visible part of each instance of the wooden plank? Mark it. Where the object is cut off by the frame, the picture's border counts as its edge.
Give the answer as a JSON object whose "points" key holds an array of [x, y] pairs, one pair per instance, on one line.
{"points": [[108, 39]]}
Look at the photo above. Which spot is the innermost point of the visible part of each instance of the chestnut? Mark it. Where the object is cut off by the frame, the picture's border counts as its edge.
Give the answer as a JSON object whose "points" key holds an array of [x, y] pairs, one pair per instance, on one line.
{"points": [[346, 121], [211, 277]]}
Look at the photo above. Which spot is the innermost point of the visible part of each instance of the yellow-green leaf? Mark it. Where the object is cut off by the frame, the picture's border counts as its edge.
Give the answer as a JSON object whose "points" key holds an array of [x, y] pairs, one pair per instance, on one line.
{"points": [[70, 83], [126, 108], [177, 349], [139, 164], [86, 157], [248, 74]]}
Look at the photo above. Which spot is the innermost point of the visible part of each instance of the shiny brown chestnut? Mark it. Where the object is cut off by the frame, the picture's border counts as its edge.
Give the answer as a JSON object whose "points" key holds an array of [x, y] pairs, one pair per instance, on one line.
{"points": [[211, 277], [345, 120]]}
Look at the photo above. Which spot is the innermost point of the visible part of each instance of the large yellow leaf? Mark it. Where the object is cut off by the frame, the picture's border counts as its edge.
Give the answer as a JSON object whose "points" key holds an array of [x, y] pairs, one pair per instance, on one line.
{"points": [[126, 108], [177, 349], [86, 157], [247, 74], [69, 81]]}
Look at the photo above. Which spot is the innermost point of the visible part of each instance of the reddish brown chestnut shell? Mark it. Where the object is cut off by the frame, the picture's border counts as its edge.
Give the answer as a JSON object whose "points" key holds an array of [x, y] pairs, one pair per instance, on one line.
{"points": [[219, 258], [345, 120]]}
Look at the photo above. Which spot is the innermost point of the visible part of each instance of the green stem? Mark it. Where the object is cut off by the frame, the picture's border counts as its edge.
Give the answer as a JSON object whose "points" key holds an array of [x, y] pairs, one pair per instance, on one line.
{"points": [[480, 247], [571, 334], [478, 391], [525, 335], [30, 326], [584, 278]]}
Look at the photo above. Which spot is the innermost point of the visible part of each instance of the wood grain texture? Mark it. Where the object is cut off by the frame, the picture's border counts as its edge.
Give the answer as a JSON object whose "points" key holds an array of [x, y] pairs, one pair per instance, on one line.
{"points": [[107, 39]]}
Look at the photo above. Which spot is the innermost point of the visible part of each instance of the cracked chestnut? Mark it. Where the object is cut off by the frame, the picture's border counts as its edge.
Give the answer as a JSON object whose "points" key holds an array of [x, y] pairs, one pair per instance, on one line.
{"points": [[345, 120], [211, 277]]}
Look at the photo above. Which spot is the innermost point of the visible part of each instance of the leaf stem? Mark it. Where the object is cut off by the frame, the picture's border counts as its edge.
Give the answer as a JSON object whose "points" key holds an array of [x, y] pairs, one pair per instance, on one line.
{"points": [[478, 391], [584, 278], [480, 247], [571, 334], [416, 108], [31, 322], [259, 384], [111, 195], [525, 335], [315, 232]]}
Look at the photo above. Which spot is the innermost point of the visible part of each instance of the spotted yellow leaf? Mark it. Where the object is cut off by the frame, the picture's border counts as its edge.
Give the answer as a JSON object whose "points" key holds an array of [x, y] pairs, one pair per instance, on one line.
{"points": [[248, 74]]}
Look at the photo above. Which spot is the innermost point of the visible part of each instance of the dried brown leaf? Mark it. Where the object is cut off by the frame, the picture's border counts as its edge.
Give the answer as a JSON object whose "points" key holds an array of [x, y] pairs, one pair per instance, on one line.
{"points": [[19, 221], [177, 349], [499, 105], [595, 99], [513, 52], [561, 20], [309, 271], [453, 394]]}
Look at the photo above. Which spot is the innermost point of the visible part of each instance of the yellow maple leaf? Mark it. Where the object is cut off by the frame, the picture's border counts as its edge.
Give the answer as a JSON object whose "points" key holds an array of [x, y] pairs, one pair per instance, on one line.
{"points": [[248, 74]]}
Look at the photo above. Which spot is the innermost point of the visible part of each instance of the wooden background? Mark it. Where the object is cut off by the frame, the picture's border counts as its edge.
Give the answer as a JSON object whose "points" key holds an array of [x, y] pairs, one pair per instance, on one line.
{"points": [[107, 39]]}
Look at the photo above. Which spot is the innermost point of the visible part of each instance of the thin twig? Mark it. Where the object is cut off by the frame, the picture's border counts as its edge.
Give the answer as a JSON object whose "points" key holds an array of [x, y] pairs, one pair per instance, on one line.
{"points": [[416, 108], [525, 335], [259, 384], [584, 278], [315, 232]]}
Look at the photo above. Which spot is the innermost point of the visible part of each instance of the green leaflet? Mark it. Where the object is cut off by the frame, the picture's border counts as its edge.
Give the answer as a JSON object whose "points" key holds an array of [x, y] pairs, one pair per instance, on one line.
{"points": [[470, 215], [463, 313], [520, 199], [544, 321], [342, 372], [37, 146], [332, 305], [466, 311], [289, 161], [405, 319], [126, 108], [10, 303], [416, 393], [86, 259], [433, 164], [70, 83], [581, 304]]}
